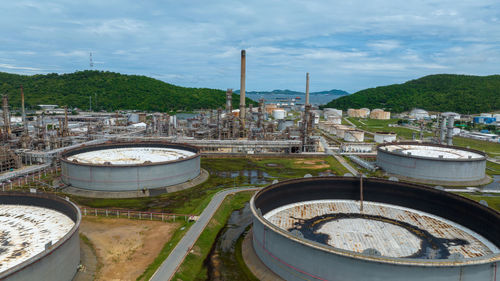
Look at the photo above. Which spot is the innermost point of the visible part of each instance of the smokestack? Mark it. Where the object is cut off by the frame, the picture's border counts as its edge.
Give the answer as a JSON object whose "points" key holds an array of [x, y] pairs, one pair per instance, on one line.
{"points": [[442, 130], [260, 122], [229, 101], [219, 125], [6, 116], [307, 88], [449, 138], [23, 113], [65, 124], [242, 87], [305, 126]]}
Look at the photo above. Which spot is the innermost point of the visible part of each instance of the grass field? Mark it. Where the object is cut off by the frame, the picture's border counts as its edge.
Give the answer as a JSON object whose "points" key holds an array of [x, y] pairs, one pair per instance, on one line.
{"points": [[491, 148], [373, 125], [493, 201], [192, 267], [194, 200]]}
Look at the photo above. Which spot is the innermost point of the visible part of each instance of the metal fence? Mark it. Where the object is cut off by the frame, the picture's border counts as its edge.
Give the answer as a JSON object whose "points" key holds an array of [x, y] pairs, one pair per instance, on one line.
{"points": [[28, 176], [139, 215]]}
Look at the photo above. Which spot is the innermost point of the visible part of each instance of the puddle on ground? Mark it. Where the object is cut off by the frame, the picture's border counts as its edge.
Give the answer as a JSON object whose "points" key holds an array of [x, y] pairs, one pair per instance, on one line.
{"points": [[494, 185], [252, 176]]}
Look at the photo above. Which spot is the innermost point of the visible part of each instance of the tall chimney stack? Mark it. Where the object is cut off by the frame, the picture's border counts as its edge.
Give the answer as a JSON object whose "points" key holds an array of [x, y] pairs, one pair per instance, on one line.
{"points": [[307, 88], [449, 131], [229, 103], [23, 113], [242, 87], [6, 116]]}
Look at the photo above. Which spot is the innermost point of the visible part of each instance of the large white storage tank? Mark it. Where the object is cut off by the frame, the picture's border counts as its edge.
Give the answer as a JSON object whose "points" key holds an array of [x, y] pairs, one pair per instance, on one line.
{"points": [[383, 137], [332, 111], [354, 136], [279, 114]]}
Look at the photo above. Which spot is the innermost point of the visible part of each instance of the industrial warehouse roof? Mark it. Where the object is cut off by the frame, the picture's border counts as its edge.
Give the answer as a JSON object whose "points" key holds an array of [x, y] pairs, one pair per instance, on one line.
{"points": [[393, 231], [26, 230], [131, 155], [432, 151]]}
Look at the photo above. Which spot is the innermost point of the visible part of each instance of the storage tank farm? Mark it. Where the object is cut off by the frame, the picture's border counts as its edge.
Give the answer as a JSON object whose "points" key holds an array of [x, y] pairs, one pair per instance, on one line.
{"points": [[348, 228], [432, 163], [38, 237], [129, 166]]}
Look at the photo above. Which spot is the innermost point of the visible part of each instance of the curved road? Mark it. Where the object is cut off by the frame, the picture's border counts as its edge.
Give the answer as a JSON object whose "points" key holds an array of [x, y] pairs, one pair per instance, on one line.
{"points": [[170, 265]]}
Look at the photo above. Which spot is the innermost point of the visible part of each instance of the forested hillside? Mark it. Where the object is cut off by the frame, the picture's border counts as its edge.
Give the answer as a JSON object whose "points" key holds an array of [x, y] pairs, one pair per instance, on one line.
{"points": [[442, 92], [109, 91]]}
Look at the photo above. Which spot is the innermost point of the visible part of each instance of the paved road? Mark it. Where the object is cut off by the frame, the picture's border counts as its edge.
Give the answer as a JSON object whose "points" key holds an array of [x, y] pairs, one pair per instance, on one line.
{"points": [[351, 169], [339, 158], [168, 268]]}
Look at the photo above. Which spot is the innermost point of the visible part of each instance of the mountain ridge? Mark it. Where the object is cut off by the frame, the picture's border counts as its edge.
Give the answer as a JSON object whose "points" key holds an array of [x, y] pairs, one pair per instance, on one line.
{"points": [[464, 94], [108, 91]]}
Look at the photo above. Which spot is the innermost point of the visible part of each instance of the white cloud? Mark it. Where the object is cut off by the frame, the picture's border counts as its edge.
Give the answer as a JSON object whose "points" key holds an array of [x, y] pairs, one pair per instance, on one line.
{"points": [[74, 53], [197, 43], [15, 67], [384, 45]]}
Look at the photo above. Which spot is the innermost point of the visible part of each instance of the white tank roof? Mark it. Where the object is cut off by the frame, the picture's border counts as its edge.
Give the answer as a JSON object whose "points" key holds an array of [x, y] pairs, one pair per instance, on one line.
{"points": [[25, 230], [432, 151], [131, 155], [358, 233]]}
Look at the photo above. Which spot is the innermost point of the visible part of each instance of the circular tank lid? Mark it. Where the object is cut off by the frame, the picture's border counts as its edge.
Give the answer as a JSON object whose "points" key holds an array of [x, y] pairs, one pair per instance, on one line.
{"points": [[432, 151], [27, 231], [130, 155]]}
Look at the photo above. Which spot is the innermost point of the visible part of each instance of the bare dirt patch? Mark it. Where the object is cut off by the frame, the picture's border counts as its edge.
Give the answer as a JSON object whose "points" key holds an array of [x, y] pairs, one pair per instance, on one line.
{"points": [[311, 164], [125, 247]]}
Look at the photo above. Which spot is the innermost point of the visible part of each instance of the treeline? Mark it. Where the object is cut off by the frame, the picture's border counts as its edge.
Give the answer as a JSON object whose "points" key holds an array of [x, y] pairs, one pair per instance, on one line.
{"points": [[443, 92], [108, 91]]}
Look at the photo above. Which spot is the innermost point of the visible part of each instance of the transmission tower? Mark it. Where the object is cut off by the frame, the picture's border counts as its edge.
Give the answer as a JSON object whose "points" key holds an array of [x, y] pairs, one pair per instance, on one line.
{"points": [[91, 61]]}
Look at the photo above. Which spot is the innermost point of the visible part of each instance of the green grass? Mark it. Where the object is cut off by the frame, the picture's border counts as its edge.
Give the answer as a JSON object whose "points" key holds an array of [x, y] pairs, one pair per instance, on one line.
{"points": [[192, 268], [165, 251], [493, 201], [491, 148], [195, 199], [239, 258], [492, 168], [336, 167], [89, 243], [373, 125], [288, 168]]}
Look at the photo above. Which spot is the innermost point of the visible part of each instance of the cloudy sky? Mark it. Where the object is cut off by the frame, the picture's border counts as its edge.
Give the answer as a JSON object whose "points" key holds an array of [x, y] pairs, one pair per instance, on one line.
{"points": [[349, 45]]}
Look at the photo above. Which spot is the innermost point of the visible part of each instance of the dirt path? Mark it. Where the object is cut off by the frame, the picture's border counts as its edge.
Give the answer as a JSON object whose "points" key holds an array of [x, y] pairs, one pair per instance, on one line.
{"points": [[311, 163], [125, 247]]}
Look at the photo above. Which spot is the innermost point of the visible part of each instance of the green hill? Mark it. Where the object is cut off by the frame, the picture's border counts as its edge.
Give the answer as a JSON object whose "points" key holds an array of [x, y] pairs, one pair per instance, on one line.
{"points": [[442, 92], [109, 91]]}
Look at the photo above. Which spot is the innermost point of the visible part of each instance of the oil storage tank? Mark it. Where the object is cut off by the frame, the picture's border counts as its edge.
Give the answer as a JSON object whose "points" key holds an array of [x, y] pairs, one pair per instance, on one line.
{"points": [[432, 163], [129, 166], [38, 237], [318, 229]]}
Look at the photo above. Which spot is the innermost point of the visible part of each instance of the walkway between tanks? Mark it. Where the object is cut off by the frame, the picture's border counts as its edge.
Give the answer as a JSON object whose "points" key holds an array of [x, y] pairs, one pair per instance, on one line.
{"points": [[170, 265]]}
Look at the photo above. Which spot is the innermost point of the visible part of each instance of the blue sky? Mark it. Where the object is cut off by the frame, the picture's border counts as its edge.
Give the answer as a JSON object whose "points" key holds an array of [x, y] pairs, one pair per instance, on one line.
{"points": [[349, 45]]}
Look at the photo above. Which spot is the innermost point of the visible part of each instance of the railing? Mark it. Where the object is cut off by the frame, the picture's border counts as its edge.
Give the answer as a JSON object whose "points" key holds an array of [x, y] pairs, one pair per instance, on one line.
{"points": [[11, 180], [132, 214]]}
